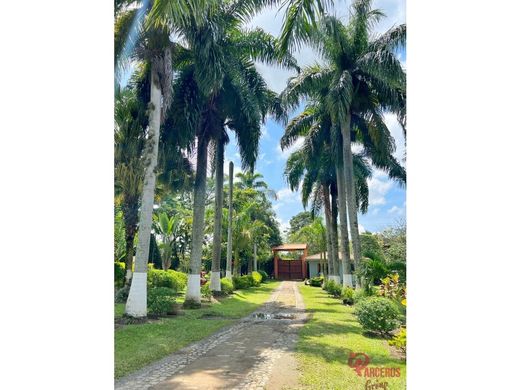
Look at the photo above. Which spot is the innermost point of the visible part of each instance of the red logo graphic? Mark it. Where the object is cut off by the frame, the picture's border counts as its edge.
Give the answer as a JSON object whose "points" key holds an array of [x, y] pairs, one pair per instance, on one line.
{"points": [[358, 361]]}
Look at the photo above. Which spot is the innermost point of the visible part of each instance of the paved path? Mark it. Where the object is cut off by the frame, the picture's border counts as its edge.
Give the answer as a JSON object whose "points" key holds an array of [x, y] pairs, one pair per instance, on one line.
{"points": [[254, 353]]}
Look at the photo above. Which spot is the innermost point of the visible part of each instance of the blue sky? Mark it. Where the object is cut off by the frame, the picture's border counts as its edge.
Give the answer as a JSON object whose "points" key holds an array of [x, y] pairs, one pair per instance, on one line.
{"points": [[387, 199]]}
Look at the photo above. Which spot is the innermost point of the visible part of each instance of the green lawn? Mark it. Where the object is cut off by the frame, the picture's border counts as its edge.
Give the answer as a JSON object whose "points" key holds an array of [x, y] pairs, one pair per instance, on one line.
{"points": [[139, 345], [326, 341]]}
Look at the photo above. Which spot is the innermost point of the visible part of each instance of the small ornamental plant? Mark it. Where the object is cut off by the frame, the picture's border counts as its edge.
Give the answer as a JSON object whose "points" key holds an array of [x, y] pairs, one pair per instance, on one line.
{"points": [[399, 340]]}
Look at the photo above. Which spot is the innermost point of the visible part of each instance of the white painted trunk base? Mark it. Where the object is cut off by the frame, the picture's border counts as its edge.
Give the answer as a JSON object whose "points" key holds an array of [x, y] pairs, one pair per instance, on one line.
{"points": [[136, 303], [347, 280], [214, 281], [193, 291], [335, 278], [229, 275]]}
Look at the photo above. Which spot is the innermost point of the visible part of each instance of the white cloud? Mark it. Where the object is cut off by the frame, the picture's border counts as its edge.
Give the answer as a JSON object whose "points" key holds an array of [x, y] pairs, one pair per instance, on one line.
{"points": [[285, 195], [396, 210], [397, 132], [284, 154], [265, 132], [378, 186]]}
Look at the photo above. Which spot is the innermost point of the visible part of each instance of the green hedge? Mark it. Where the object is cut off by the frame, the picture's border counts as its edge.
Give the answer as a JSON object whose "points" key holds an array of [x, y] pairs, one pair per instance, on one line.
{"points": [[257, 278], [171, 279], [161, 301], [317, 281], [226, 286], [264, 275], [242, 282], [332, 288]]}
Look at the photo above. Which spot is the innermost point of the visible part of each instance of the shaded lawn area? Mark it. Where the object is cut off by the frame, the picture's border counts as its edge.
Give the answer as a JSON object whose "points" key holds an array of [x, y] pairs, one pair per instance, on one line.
{"points": [[138, 345], [327, 340]]}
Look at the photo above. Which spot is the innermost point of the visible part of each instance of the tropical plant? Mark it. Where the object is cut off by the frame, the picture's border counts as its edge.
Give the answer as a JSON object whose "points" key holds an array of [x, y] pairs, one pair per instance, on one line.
{"points": [[166, 227], [360, 79], [129, 140], [399, 340], [371, 271], [142, 36], [218, 88], [252, 180]]}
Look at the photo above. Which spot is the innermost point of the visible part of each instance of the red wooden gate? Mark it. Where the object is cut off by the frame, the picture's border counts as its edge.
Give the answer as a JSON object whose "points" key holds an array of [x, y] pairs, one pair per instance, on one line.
{"points": [[289, 269]]}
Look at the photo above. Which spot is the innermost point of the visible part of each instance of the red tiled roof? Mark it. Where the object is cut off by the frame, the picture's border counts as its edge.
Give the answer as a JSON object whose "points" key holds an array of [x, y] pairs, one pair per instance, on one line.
{"points": [[290, 247]]}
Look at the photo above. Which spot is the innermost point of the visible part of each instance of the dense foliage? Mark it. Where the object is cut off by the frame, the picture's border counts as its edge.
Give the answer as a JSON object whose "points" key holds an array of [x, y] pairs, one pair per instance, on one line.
{"points": [[378, 314], [161, 301]]}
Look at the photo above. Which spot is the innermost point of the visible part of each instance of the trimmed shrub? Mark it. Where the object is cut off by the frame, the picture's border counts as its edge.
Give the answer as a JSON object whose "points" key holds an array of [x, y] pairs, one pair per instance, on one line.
{"points": [[257, 278], [122, 294], [226, 286], [161, 301], [333, 288], [264, 275], [316, 281], [119, 274], [170, 279], [378, 314], [242, 282], [347, 295]]}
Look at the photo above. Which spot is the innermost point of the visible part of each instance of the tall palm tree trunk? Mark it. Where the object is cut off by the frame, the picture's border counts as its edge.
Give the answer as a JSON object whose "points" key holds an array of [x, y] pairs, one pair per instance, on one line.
{"points": [[237, 263], [199, 196], [328, 226], [136, 302], [343, 242], [229, 253], [249, 266], [334, 235], [130, 215], [217, 235], [255, 259], [351, 193]]}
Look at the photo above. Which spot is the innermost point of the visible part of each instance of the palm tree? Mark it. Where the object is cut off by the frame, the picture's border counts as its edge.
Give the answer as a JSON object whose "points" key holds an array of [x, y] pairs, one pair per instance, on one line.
{"points": [[360, 80], [129, 139], [167, 228], [219, 89], [253, 180], [140, 35], [317, 157], [229, 252]]}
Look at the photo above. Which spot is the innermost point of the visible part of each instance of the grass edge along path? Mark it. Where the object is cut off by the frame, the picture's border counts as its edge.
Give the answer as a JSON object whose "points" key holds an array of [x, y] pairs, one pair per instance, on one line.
{"points": [[139, 345], [326, 341]]}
